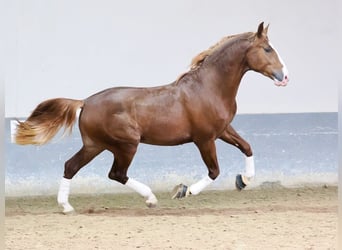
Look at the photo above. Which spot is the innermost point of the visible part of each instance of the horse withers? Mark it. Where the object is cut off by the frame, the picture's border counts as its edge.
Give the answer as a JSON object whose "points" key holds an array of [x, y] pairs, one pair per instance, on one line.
{"points": [[198, 107]]}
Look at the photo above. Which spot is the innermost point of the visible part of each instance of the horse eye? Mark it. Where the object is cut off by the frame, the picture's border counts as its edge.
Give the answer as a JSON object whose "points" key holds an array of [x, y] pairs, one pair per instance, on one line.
{"points": [[268, 49]]}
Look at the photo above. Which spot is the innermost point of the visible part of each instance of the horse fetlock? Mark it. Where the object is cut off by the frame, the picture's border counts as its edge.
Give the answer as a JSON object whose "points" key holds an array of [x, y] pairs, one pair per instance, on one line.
{"points": [[197, 187], [250, 168], [144, 191], [63, 196], [62, 200]]}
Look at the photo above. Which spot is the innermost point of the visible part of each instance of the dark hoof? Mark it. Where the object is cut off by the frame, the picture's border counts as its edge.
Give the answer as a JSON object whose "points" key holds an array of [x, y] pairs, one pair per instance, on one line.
{"points": [[180, 191], [239, 184]]}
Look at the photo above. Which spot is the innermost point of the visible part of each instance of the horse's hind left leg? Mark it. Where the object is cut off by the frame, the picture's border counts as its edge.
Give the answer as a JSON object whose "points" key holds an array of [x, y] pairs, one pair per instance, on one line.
{"points": [[72, 166]]}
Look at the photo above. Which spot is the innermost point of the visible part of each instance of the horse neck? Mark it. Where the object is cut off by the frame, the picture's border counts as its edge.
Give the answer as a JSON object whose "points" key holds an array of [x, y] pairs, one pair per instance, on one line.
{"points": [[228, 67]]}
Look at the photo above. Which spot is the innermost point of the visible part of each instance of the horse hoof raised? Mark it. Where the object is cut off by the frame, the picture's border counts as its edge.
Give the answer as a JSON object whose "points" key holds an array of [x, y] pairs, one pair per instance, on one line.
{"points": [[239, 183], [180, 191]]}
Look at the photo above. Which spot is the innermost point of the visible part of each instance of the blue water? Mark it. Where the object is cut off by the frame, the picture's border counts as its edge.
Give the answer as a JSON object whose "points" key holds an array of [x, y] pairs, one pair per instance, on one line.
{"points": [[294, 149]]}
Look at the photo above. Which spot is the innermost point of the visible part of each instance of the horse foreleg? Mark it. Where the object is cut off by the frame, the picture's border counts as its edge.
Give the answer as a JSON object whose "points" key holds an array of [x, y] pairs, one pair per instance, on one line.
{"points": [[119, 173], [232, 137], [208, 153], [72, 166]]}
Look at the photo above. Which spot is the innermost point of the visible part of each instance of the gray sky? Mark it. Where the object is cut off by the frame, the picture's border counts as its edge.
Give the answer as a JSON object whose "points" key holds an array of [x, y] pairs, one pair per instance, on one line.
{"points": [[76, 48]]}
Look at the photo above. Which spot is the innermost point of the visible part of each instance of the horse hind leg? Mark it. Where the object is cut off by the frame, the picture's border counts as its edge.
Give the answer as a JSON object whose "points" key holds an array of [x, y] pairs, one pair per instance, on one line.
{"points": [[118, 172], [72, 166]]}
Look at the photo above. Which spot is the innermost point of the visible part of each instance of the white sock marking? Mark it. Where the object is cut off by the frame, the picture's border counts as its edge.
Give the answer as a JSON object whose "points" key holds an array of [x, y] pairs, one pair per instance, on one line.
{"points": [[143, 190], [250, 168], [284, 69], [200, 185], [63, 195]]}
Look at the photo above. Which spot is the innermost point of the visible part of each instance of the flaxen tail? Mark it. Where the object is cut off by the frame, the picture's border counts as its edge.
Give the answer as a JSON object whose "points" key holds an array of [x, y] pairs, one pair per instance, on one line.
{"points": [[45, 121]]}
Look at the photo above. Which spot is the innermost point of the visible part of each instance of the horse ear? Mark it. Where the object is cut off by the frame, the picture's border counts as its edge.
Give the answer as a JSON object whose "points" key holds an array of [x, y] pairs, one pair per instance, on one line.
{"points": [[260, 30], [266, 29]]}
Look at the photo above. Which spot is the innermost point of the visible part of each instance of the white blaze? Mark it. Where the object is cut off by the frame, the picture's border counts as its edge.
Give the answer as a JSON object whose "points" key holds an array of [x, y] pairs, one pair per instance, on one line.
{"points": [[284, 68]]}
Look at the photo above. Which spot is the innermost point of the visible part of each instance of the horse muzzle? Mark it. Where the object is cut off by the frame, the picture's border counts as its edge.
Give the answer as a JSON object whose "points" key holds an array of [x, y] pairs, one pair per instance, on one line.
{"points": [[280, 79]]}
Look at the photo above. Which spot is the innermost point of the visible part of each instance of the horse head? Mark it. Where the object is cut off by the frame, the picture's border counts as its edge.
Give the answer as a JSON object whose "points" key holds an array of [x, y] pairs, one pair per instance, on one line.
{"points": [[262, 57]]}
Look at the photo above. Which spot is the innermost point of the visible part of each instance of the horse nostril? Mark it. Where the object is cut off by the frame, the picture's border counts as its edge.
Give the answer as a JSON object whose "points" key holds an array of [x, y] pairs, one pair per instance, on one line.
{"points": [[279, 76]]}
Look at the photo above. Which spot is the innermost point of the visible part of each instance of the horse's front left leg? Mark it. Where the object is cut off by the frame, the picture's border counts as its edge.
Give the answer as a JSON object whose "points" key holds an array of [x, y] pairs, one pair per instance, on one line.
{"points": [[208, 153], [232, 137]]}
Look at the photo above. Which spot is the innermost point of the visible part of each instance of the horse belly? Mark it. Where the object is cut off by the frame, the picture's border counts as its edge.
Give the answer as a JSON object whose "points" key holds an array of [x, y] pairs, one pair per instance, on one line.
{"points": [[166, 131], [162, 140]]}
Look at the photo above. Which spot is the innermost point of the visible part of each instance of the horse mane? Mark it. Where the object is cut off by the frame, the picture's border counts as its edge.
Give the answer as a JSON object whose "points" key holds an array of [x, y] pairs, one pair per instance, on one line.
{"points": [[198, 60]]}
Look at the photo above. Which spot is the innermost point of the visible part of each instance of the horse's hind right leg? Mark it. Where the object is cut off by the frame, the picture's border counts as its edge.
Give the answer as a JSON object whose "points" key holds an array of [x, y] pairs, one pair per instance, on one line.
{"points": [[72, 166], [122, 159]]}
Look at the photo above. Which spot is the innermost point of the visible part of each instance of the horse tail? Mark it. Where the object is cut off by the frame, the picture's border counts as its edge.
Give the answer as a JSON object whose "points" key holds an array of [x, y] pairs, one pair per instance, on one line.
{"points": [[46, 120]]}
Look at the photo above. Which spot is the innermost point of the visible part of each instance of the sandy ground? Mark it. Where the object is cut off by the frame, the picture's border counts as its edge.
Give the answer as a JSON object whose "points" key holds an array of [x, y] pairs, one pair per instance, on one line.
{"points": [[263, 218]]}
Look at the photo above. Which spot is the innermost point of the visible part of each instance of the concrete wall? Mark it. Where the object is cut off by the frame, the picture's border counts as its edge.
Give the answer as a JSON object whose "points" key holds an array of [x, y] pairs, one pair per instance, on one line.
{"points": [[75, 48]]}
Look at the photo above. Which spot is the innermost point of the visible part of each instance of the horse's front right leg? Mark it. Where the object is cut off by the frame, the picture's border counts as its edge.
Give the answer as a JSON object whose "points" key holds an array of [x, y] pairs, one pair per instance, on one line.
{"points": [[208, 153], [232, 137]]}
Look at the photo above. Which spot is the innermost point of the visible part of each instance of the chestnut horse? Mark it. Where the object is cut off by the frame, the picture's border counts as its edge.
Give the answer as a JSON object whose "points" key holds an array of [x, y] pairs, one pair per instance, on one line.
{"points": [[198, 107]]}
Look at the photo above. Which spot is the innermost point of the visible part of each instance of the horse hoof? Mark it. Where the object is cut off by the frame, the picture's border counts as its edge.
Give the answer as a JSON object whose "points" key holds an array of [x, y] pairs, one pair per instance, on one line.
{"points": [[239, 183], [67, 208], [180, 191], [152, 202], [151, 205], [70, 212]]}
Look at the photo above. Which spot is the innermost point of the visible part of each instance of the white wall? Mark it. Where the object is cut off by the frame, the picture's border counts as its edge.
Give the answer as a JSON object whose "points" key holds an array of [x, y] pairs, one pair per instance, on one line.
{"points": [[76, 48]]}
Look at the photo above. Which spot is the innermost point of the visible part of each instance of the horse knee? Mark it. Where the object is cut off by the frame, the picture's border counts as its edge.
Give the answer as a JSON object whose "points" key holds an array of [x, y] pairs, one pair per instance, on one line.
{"points": [[118, 176], [214, 173]]}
